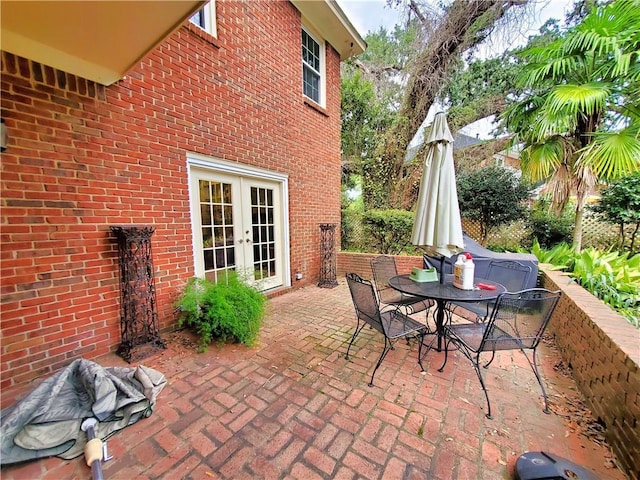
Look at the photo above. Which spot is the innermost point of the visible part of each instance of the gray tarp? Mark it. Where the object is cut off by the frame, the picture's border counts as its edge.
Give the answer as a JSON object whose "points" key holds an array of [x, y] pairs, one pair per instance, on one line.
{"points": [[47, 421]]}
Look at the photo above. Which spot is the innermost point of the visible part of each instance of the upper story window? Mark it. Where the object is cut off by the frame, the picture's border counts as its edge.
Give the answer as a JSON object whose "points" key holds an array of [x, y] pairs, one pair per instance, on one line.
{"points": [[205, 18], [312, 68]]}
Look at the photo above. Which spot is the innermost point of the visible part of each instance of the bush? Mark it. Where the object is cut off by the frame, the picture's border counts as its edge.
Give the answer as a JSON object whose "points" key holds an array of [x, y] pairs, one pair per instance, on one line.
{"points": [[619, 205], [547, 228], [492, 196], [612, 277], [227, 310], [390, 230]]}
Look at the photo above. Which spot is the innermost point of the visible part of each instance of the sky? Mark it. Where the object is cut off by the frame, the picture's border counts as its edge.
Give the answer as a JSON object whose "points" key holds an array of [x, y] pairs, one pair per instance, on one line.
{"points": [[370, 15]]}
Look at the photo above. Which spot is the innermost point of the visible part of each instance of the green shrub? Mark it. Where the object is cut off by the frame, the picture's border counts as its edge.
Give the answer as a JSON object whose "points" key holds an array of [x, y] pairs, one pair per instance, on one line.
{"points": [[612, 277], [227, 310], [549, 229], [389, 230]]}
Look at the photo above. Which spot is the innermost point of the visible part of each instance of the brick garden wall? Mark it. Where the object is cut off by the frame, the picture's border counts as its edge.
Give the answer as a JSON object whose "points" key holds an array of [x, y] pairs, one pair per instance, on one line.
{"points": [[602, 348], [82, 157], [360, 263]]}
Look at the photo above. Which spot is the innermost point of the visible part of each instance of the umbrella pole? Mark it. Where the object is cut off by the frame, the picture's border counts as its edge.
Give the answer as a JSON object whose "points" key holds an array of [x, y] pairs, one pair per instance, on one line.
{"points": [[442, 269]]}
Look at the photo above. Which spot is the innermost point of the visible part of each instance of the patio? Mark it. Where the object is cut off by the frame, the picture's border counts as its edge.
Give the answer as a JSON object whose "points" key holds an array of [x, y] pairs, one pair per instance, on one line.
{"points": [[293, 407]]}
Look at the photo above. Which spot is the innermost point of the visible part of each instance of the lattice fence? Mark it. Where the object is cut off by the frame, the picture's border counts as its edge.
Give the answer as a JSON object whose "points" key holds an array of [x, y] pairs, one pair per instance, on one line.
{"points": [[595, 233]]}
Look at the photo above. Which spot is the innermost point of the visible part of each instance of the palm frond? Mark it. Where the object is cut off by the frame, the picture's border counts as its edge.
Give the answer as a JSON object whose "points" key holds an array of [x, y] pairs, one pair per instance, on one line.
{"points": [[551, 69], [560, 186], [587, 98], [613, 155], [548, 123], [539, 160]]}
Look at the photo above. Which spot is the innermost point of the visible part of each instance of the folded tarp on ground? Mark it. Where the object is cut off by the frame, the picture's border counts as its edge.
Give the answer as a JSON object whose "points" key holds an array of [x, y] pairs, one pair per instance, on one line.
{"points": [[47, 421]]}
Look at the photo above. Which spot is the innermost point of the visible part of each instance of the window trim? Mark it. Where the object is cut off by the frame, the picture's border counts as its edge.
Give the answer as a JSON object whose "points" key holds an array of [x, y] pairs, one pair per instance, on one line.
{"points": [[210, 25], [322, 70]]}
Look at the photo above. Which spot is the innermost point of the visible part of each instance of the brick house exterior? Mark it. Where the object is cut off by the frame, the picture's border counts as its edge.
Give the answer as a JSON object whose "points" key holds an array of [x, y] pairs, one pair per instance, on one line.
{"points": [[82, 157]]}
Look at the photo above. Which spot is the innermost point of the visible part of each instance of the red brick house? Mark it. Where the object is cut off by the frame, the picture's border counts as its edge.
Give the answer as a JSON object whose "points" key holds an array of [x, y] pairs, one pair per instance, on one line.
{"points": [[220, 135]]}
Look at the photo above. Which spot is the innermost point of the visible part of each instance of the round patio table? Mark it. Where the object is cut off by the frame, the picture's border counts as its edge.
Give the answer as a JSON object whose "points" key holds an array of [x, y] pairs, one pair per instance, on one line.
{"points": [[443, 293]]}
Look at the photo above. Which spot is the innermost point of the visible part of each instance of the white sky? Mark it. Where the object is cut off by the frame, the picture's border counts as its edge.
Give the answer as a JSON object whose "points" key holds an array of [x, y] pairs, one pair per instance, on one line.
{"points": [[370, 15]]}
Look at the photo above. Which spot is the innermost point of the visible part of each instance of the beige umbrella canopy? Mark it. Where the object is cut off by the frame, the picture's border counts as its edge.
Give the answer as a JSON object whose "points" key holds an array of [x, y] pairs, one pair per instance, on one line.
{"points": [[437, 224]]}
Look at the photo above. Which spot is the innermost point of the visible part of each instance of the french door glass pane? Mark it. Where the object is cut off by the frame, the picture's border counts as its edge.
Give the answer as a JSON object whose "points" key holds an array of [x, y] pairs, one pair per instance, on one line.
{"points": [[262, 215], [217, 227]]}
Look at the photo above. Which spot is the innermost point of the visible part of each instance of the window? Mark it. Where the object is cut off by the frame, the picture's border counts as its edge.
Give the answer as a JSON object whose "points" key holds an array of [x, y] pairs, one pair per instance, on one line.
{"points": [[205, 18], [312, 68]]}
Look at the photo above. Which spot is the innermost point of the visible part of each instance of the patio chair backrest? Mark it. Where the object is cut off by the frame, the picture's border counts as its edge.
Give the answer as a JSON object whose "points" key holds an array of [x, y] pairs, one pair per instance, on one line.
{"points": [[519, 319], [365, 301], [510, 273], [383, 268]]}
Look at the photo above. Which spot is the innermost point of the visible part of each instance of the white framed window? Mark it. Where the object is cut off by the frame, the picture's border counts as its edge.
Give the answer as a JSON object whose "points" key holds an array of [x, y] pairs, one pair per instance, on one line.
{"points": [[313, 67], [205, 18]]}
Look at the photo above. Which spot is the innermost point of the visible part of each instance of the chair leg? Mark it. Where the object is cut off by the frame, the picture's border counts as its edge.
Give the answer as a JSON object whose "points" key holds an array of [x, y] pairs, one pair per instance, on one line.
{"points": [[476, 367], [387, 346], [447, 342], [358, 329], [420, 338], [534, 367], [493, 355], [426, 348]]}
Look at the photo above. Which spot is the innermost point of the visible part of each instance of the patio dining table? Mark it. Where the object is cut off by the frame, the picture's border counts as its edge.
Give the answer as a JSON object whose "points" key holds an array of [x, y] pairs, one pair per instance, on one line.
{"points": [[443, 293]]}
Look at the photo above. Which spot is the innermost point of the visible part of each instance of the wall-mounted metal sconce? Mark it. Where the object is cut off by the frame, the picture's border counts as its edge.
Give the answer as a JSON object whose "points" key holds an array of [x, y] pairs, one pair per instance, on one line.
{"points": [[3, 135]]}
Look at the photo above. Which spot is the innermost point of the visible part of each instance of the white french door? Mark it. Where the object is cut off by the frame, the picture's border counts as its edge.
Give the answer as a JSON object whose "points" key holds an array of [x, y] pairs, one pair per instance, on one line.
{"points": [[238, 224]]}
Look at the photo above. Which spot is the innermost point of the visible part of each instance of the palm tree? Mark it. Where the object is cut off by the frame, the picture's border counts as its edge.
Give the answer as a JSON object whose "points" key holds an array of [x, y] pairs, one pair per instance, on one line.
{"points": [[579, 115]]}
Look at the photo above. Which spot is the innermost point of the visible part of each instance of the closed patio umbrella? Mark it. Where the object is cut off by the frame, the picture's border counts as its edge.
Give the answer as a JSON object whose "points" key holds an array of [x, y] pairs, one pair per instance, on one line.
{"points": [[437, 224]]}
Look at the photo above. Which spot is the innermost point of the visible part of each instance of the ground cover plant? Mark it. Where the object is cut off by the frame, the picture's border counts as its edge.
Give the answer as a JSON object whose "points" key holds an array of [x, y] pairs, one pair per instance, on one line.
{"points": [[611, 276], [228, 310]]}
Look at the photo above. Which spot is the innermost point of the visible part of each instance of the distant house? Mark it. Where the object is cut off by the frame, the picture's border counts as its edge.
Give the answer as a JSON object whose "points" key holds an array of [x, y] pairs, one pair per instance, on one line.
{"points": [[460, 141], [217, 124], [510, 157]]}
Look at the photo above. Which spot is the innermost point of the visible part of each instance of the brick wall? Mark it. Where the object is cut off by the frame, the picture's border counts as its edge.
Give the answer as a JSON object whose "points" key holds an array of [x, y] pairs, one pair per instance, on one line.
{"points": [[360, 263], [82, 157], [603, 350]]}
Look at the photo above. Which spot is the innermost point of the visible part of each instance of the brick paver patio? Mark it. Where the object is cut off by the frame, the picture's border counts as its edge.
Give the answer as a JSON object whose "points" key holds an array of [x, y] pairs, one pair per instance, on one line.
{"points": [[294, 408]]}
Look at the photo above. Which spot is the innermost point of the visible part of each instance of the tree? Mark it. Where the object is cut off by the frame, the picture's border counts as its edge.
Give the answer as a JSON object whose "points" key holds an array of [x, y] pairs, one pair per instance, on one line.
{"points": [[479, 90], [465, 23], [619, 204], [363, 118], [579, 115], [370, 96], [493, 196]]}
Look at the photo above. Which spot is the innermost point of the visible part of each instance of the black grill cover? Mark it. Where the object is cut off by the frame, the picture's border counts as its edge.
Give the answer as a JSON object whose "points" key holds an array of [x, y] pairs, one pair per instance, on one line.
{"points": [[544, 466]]}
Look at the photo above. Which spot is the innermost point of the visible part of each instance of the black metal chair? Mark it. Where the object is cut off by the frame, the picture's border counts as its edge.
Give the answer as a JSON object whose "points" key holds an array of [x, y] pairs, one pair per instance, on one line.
{"points": [[517, 322], [510, 273], [393, 324], [383, 268]]}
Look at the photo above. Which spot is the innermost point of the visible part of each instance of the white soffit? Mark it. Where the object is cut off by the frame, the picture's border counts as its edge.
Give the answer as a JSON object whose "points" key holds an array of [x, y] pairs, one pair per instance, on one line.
{"points": [[96, 40], [329, 20]]}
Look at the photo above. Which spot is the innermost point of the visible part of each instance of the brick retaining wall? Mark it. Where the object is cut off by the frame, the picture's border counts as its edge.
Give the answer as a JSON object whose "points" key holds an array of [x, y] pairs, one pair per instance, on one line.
{"points": [[601, 347], [603, 350], [360, 263]]}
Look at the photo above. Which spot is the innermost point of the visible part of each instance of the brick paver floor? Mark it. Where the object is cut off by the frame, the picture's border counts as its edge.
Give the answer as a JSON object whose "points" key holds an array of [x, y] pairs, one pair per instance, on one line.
{"points": [[293, 407]]}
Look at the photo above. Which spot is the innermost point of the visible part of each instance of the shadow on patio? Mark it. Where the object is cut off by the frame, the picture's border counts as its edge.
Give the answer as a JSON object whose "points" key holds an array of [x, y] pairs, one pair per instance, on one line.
{"points": [[294, 408]]}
